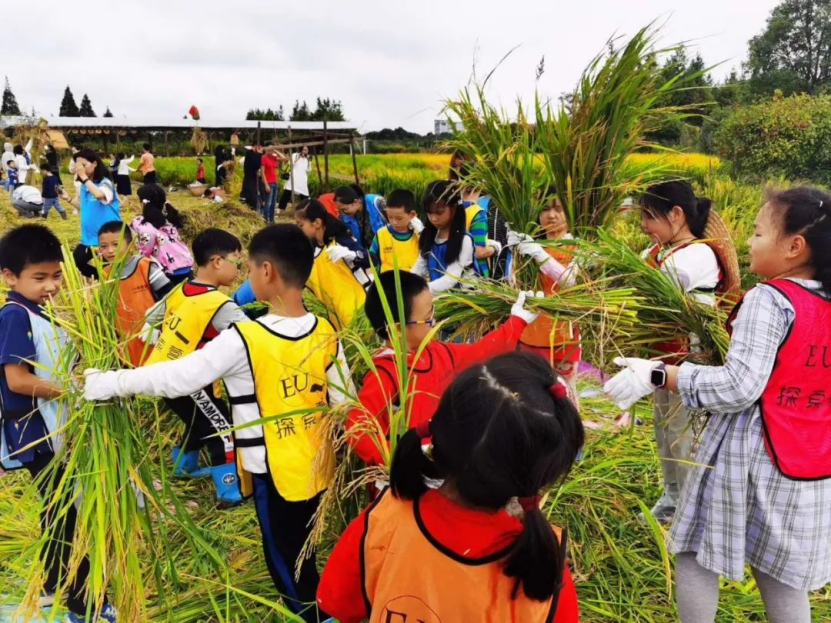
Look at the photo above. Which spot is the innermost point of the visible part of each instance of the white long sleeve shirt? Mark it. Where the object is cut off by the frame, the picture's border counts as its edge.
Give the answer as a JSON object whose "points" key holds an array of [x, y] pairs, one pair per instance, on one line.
{"points": [[454, 272], [123, 166], [226, 357]]}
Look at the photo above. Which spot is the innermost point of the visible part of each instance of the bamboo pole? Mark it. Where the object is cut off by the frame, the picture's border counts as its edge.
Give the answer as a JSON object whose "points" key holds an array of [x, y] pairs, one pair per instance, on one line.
{"points": [[354, 158], [326, 151]]}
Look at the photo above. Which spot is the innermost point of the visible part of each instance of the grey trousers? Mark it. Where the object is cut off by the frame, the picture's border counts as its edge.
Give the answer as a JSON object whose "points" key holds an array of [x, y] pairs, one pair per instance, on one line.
{"points": [[674, 437], [26, 209]]}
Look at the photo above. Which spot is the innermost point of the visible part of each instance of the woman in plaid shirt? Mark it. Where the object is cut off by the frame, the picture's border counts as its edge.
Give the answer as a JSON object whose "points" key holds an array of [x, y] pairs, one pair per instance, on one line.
{"points": [[760, 492]]}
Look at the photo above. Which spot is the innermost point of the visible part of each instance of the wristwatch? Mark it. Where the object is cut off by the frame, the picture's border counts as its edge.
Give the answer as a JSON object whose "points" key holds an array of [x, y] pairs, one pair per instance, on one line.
{"points": [[659, 376]]}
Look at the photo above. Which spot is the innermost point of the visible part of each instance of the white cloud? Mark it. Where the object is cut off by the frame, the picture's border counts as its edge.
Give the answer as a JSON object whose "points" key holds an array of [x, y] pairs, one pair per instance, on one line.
{"points": [[390, 63]]}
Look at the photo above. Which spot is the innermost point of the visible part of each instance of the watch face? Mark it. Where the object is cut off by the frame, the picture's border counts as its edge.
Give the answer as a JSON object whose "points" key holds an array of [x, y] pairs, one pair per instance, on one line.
{"points": [[659, 377]]}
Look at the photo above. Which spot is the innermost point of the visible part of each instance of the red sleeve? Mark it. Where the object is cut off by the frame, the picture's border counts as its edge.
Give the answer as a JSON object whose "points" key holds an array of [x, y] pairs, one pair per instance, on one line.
{"points": [[374, 396], [502, 340], [567, 610], [340, 592]]}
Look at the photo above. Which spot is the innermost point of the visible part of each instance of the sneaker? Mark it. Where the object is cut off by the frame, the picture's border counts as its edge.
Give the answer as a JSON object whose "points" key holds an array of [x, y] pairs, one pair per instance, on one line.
{"points": [[663, 511]]}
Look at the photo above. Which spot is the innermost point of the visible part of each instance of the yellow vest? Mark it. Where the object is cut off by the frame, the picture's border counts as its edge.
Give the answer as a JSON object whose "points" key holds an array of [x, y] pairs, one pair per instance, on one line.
{"points": [[334, 284], [405, 251], [186, 319], [290, 377]]}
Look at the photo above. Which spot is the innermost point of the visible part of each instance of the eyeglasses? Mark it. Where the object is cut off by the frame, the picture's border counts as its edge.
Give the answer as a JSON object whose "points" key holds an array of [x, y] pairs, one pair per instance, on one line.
{"points": [[238, 263], [430, 322]]}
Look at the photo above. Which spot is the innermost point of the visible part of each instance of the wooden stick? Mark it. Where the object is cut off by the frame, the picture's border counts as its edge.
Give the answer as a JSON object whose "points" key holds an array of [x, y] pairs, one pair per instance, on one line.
{"points": [[326, 152], [354, 159], [291, 170]]}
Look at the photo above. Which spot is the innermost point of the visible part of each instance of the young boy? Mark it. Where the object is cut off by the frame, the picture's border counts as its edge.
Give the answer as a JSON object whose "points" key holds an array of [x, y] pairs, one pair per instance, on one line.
{"points": [[30, 351], [200, 171], [50, 192], [435, 369], [399, 239], [286, 362], [194, 314], [141, 285], [11, 171]]}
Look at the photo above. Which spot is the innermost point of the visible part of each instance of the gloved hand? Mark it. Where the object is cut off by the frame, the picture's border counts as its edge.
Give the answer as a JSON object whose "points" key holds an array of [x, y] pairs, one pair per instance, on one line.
{"points": [[338, 252], [525, 245], [149, 334], [632, 383], [416, 225], [496, 245], [519, 309], [100, 385]]}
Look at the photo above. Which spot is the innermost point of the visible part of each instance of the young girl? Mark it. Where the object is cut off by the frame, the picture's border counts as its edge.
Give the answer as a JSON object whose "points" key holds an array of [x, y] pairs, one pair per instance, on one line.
{"points": [[339, 278], [122, 174], [478, 547], [556, 342], [157, 230], [675, 220], [760, 489], [445, 248]]}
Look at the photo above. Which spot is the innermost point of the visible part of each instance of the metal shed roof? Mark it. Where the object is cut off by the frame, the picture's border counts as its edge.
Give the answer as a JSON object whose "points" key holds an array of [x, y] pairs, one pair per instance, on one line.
{"points": [[159, 123]]}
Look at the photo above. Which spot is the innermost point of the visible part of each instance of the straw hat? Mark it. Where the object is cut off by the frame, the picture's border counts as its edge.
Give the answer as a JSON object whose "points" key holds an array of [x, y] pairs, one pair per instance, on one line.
{"points": [[720, 240]]}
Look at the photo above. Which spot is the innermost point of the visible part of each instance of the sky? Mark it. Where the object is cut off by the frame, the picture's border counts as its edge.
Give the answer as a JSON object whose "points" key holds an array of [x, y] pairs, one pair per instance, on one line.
{"points": [[390, 63]]}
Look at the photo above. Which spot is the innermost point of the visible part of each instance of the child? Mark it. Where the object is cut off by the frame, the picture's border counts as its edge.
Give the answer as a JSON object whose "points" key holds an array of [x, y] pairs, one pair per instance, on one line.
{"points": [[339, 278], [216, 194], [759, 489], [12, 181], [200, 171], [142, 284], [194, 314], [51, 192], [675, 220], [399, 239], [558, 343], [32, 414], [476, 223], [374, 206], [158, 233], [433, 369], [478, 548], [280, 364], [445, 247], [351, 211], [123, 186]]}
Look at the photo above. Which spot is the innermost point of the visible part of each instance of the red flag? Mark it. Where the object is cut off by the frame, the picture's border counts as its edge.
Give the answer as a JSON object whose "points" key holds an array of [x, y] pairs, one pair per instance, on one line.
{"points": [[193, 111]]}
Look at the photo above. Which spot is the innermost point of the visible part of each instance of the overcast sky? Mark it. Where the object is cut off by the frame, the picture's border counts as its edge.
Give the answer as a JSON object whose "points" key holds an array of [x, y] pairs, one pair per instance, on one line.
{"points": [[390, 63]]}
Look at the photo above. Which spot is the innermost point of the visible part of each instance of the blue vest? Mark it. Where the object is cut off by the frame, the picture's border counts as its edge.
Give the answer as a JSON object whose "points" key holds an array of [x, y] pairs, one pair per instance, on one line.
{"points": [[354, 227], [437, 262], [94, 213], [376, 218]]}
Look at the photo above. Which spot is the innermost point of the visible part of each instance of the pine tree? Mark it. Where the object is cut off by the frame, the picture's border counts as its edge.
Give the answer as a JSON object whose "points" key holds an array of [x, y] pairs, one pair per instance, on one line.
{"points": [[108, 113], [300, 112], [86, 107], [68, 106], [10, 106]]}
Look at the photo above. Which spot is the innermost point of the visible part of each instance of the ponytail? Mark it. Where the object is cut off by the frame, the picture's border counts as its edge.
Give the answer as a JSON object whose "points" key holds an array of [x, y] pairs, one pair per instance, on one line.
{"points": [[410, 466], [697, 218], [537, 559], [173, 216], [661, 198]]}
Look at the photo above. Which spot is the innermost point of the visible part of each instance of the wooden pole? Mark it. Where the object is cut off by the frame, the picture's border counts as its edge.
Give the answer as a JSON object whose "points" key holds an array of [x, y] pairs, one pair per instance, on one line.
{"points": [[326, 152], [259, 131], [166, 145], [291, 169], [354, 158], [317, 163]]}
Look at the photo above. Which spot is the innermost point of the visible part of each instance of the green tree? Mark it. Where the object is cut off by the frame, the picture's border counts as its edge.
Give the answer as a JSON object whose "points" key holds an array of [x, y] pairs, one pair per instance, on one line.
{"points": [[328, 110], [10, 106], [108, 113], [300, 112], [793, 54], [86, 107], [68, 106], [255, 114]]}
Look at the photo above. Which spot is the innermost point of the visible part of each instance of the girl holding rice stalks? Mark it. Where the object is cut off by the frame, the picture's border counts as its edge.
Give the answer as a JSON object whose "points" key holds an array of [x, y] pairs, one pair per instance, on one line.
{"points": [[760, 488], [504, 431]]}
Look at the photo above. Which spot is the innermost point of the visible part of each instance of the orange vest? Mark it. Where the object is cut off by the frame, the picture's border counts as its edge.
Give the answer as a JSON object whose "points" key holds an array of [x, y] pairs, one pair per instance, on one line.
{"points": [[408, 578], [135, 297], [562, 338]]}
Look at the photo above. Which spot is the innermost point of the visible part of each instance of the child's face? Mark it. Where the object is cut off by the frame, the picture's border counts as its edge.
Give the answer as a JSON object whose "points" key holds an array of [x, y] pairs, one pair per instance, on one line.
{"points": [[108, 246], [400, 219], [12, 164], [659, 227], [440, 215], [36, 282], [227, 269], [553, 217], [768, 247], [350, 209], [312, 229], [421, 320]]}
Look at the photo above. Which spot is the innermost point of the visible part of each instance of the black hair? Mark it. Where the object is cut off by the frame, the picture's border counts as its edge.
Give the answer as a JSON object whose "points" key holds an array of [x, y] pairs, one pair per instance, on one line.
{"points": [[199, 160], [498, 433], [101, 170], [146, 147], [411, 286], [358, 190], [661, 198], [116, 227], [312, 209], [212, 242], [157, 211], [27, 245], [806, 211], [18, 150], [460, 170], [346, 194], [120, 156], [403, 199], [46, 169], [447, 193], [288, 249], [8, 162], [116, 161]]}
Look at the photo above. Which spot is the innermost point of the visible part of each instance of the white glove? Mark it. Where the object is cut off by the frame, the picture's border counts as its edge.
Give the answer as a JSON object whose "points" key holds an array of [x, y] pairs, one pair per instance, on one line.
{"points": [[149, 334], [519, 309], [632, 383], [515, 238], [338, 252], [416, 225], [496, 245], [100, 385], [525, 245]]}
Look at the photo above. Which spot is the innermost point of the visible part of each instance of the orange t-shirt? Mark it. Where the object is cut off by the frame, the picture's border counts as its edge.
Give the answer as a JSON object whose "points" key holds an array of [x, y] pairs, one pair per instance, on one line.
{"points": [[146, 163]]}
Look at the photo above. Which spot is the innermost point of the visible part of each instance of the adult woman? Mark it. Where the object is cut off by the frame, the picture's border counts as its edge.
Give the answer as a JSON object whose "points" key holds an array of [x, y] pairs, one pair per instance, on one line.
{"points": [[298, 180], [97, 201]]}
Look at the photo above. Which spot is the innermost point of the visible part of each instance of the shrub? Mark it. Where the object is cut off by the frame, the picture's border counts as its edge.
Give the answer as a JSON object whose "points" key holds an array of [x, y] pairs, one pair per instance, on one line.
{"points": [[787, 137]]}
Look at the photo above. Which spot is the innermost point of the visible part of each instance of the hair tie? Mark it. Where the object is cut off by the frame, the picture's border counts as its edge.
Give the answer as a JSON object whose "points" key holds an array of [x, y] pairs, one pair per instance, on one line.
{"points": [[423, 430], [559, 389], [529, 503]]}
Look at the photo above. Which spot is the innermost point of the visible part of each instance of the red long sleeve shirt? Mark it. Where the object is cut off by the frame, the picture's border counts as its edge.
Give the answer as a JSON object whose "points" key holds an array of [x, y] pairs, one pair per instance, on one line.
{"points": [[468, 533], [435, 370]]}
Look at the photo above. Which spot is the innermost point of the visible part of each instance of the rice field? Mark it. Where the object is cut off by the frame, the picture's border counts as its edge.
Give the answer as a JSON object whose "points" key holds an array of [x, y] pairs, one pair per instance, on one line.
{"points": [[620, 565]]}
